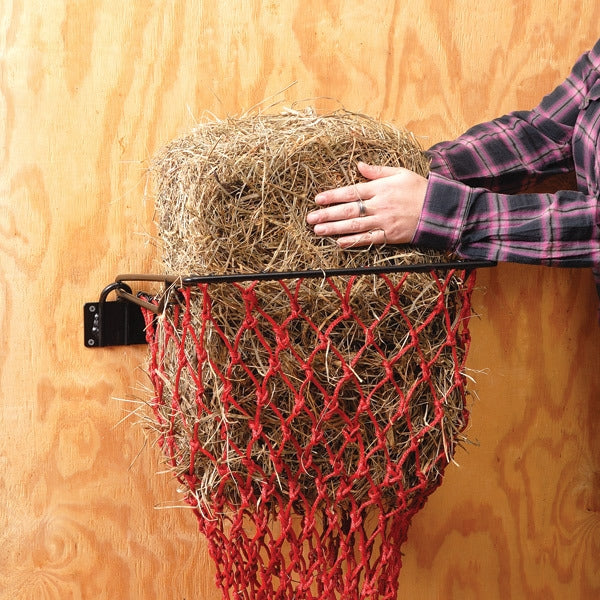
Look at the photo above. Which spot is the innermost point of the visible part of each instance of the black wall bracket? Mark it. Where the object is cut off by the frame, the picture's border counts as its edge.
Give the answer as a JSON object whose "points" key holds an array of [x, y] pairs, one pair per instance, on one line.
{"points": [[121, 322], [113, 323]]}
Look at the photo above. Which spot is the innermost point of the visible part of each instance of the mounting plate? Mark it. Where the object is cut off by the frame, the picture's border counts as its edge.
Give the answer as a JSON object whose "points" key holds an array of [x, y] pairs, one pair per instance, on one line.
{"points": [[113, 323]]}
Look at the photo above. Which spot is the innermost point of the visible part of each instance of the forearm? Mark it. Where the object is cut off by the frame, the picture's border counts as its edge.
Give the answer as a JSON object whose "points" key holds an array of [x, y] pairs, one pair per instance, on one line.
{"points": [[553, 229]]}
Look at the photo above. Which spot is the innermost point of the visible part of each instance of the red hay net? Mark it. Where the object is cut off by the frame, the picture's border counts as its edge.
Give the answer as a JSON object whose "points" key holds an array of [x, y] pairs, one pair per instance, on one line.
{"points": [[311, 517]]}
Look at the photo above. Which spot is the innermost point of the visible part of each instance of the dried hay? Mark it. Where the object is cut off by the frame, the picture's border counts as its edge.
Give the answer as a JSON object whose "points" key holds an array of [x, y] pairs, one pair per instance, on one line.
{"points": [[232, 197]]}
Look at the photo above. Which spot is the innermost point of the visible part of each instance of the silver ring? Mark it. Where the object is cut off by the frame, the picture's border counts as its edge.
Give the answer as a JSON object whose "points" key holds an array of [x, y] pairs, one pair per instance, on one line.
{"points": [[362, 209]]}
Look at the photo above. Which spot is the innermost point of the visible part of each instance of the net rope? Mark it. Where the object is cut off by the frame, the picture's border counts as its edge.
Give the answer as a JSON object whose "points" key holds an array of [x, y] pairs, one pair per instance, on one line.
{"points": [[322, 512]]}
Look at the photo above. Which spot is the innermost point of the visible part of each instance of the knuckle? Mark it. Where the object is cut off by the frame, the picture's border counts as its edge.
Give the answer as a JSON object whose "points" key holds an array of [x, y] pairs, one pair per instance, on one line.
{"points": [[350, 211], [355, 226]]}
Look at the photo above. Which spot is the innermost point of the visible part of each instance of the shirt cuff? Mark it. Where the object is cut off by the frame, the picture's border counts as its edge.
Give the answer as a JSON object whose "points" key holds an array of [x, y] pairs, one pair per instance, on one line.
{"points": [[443, 215]]}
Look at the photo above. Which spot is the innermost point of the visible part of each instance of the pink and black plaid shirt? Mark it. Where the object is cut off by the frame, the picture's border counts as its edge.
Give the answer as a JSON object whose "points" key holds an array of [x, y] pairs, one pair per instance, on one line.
{"points": [[475, 204]]}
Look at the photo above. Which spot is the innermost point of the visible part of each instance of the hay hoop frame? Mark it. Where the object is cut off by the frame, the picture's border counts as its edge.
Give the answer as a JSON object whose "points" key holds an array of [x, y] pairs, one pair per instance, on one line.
{"points": [[190, 280]]}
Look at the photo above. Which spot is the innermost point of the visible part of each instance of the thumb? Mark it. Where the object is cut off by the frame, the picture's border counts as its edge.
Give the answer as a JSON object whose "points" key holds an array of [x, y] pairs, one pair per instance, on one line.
{"points": [[377, 171]]}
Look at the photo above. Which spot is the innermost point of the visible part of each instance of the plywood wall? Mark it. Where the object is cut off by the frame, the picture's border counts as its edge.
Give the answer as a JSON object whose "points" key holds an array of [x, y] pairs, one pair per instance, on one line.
{"points": [[89, 90]]}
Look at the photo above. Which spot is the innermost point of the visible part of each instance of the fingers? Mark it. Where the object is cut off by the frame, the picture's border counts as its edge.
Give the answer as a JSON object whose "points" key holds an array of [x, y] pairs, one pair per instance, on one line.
{"points": [[364, 191], [377, 171], [368, 238], [349, 193], [349, 226], [344, 211]]}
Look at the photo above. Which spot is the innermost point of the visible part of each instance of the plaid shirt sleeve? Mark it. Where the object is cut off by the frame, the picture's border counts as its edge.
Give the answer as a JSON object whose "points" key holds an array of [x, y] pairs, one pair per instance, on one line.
{"points": [[475, 204], [554, 229]]}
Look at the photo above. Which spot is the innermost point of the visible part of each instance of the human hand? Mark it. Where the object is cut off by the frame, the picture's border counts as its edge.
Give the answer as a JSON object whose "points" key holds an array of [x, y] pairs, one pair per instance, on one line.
{"points": [[391, 206]]}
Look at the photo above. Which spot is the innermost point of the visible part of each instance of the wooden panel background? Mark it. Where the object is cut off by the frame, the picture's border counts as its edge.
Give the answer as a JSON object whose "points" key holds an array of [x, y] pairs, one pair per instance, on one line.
{"points": [[90, 89]]}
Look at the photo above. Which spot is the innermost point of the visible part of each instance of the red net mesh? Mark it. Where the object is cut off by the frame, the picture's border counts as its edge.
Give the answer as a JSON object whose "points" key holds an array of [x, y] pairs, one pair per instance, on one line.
{"points": [[308, 439]]}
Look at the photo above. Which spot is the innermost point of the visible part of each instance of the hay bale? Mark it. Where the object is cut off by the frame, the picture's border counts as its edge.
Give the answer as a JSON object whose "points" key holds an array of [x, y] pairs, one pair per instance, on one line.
{"points": [[232, 197]]}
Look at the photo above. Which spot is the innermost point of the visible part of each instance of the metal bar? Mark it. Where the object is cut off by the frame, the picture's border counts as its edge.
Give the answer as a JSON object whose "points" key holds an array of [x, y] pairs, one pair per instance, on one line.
{"points": [[155, 308], [127, 294], [166, 279], [323, 273], [123, 291]]}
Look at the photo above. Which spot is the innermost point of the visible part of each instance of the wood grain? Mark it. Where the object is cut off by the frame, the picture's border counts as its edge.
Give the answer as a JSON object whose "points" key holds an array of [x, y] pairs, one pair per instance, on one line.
{"points": [[89, 90]]}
